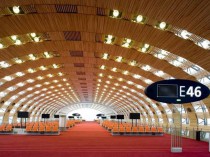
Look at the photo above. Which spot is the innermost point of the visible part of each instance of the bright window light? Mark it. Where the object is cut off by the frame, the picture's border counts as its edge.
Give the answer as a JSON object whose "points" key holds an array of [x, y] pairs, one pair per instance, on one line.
{"points": [[87, 114], [185, 34], [130, 82], [146, 67], [114, 69], [60, 74], [32, 57], [20, 84], [30, 80], [205, 44], [119, 59], [55, 66], [133, 63], [101, 75], [148, 81], [8, 78], [136, 76], [30, 70], [105, 56], [19, 74], [102, 67], [36, 39], [125, 72], [18, 61], [39, 77], [120, 79], [4, 64], [159, 73], [43, 67], [47, 55]]}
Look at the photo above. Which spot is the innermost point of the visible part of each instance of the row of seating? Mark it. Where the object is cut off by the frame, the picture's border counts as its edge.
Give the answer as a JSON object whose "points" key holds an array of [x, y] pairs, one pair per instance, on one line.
{"points": [[128, 128], [42, 127], [6, 128]]}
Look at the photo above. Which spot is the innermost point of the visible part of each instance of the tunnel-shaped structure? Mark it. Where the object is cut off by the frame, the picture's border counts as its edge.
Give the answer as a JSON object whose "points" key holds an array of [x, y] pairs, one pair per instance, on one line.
{"points": [[58, 56]]}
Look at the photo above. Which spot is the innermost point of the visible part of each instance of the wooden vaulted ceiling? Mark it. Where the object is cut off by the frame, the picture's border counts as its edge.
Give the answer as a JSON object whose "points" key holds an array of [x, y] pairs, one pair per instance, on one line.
{"points": [[74, 30]]}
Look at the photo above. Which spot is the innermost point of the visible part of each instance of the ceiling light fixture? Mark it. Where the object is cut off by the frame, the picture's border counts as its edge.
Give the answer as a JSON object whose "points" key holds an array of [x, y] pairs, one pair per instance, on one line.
{"points": [[1, 46], [16, 9]]}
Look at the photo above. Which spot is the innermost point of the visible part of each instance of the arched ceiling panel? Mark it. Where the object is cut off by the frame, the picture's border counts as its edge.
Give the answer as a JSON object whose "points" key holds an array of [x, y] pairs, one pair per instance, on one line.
{"points": [[74, 33]]}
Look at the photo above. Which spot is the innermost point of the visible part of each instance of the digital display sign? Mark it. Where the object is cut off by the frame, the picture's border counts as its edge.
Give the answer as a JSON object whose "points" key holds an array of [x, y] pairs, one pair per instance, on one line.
{"points": [[167, 90]]}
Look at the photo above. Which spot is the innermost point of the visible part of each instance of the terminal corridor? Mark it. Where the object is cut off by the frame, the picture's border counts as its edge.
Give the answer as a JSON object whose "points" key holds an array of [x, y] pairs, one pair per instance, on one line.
{"points": [[89, 138]]}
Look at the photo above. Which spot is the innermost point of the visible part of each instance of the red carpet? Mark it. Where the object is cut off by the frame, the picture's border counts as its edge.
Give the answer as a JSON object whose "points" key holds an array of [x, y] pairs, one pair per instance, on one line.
{"points": [[91, 140]]}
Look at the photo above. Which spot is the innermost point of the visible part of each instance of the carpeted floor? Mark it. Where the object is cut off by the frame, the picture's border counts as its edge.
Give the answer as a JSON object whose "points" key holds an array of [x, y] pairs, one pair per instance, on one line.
{"points": [[90, 140]]}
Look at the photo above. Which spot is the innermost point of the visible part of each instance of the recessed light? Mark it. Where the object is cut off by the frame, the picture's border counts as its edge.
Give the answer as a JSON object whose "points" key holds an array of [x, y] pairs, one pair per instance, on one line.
{"points": [[18, 42], [162, 25], [16, 9], [139, 18], [36, 39], [33, 35], [115, 13], [1, 45], [14, 37]]}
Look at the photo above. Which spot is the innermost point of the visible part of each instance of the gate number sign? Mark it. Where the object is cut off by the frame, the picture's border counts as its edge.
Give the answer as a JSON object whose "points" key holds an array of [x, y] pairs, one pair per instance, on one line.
{"points": [[177, 91]]}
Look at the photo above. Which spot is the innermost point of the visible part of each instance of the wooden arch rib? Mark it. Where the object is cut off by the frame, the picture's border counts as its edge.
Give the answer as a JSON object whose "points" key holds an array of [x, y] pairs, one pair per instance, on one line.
{"points": [[183, 14], [104, 25]]}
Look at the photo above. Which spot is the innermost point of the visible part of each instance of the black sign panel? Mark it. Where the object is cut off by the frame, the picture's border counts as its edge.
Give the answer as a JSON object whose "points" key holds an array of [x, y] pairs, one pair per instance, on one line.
{"points": [[45, 115], [56, 116], [120, 116], [112, 117], [100, 115], [76, 114], [134, 116], [177, 91], [21, 114]]}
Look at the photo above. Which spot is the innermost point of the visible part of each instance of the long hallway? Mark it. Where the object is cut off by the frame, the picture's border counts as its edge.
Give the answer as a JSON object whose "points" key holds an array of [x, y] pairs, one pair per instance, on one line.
{"points": [[89, 138]]}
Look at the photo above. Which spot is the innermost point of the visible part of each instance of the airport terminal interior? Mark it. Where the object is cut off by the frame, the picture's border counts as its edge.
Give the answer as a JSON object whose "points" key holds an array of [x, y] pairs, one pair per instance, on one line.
{"points": [[74, 76]]}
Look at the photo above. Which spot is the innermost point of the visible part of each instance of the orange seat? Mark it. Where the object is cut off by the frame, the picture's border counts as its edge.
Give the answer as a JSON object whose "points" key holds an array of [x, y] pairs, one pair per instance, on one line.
{"points": [[8, 128], [121, 129], [55, 129], [115, 129], [135, 129], [141, 129], [48, 129], [28, 128], [35, 129], [41, 128], [128, 129], [160, 129], [147, 129], [153, 129]]}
